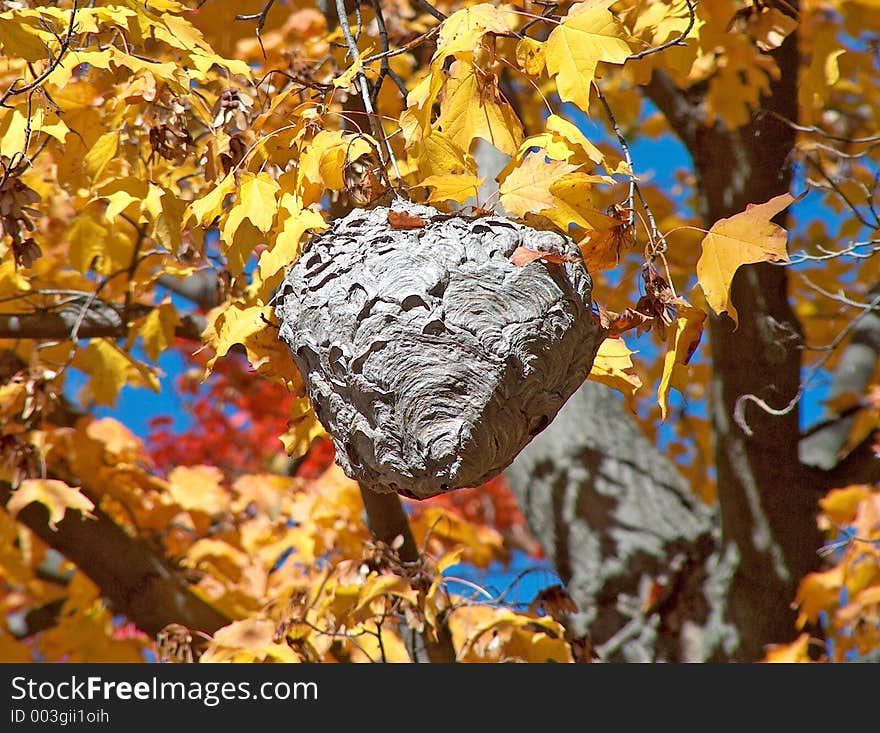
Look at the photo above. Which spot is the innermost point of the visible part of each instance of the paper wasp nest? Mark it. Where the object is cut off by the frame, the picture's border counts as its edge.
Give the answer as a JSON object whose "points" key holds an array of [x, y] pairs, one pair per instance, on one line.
{"points": [[430, 357]]}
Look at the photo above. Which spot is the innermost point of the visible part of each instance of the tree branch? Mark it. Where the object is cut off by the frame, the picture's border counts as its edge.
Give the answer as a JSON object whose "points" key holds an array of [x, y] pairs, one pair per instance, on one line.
{"points": [[100, 320], [680, 108], [387, 521], [861, 466], [140, 584], [202, 288], [854, 371]]}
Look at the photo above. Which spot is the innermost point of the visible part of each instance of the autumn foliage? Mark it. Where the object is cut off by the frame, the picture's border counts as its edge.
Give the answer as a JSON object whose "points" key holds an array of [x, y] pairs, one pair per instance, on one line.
{"points": [[145, 144]]}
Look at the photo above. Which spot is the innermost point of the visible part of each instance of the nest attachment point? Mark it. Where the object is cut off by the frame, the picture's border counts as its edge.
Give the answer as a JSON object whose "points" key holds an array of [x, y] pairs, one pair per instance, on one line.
{"points": [[430, 357]]}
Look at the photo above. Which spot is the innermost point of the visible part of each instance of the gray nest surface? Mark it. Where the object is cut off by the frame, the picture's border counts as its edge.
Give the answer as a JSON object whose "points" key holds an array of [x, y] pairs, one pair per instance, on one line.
{"points": [[430, 357]]}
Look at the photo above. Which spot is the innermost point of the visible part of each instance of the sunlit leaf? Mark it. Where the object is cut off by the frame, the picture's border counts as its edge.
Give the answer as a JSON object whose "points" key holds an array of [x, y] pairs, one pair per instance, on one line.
{"points": [[742, 239], [613, 367], [55, 495], [681, 342], [587, 35]]}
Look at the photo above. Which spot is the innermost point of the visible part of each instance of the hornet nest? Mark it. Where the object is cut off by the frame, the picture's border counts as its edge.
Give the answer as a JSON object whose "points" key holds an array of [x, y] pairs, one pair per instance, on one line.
{"points": [[430, 357]]}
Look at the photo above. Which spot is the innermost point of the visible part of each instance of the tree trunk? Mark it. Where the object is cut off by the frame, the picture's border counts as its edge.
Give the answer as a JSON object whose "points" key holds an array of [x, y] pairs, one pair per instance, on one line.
{"points": [[586, 482], [635, 548]]}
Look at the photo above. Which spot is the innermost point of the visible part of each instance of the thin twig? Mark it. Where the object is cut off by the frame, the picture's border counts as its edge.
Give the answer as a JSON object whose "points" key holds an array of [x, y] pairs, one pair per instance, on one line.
{"points": [[548, 15], [261, 21], [849, 537], [838, 297], [834, 185], [846, 156], [678, 41], [409, 46], [828, 422], [812, 129], [631, 199], [431, 9], [385, 69], [53, 63], [739, 407], [375, 124], [828, 254]]}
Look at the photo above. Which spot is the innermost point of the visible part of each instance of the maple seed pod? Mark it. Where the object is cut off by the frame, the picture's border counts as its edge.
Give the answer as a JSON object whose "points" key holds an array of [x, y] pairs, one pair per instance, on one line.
{"points": [[431, 357]]}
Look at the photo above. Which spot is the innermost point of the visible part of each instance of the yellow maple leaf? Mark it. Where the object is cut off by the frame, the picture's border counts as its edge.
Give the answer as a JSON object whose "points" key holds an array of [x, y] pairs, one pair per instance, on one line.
{"points": [[389, 649], [286, 247], [572, 203], [479, 544], [270, 358], [157, 329], [108, 368], [256, 203], [840, 504], [473, 108], [435, 602], [770, 27], [818, 592], [121, 195], [324, 160], [118, 443], [436, 155], [378, 585], [230, 324], [462, 31], [199, 488], [304, 428], [343, 81], [530, 56], [526, 189], [101, 153], [587, 35], [248, 640], [452, 187], [681, 342], [209, 206], [55, 495], [166, 215], [22, 36], [742, 239], [88, 239], [613, 367], [580, 145], [523, 638]]}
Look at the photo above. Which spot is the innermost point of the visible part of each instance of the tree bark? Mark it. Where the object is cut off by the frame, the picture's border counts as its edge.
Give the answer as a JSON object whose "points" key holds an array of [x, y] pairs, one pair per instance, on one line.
{"points": [[636, 550], [766, 495]]}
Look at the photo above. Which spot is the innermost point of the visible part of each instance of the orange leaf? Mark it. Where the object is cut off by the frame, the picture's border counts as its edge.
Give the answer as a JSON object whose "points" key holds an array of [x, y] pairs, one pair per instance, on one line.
{"points": [[523, 255], [403, 220], [789, 653], [840, 504]]}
